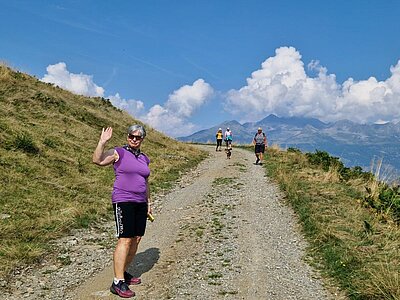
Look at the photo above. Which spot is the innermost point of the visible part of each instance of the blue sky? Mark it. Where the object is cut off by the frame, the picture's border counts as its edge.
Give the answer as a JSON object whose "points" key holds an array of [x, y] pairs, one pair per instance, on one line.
{"points": [[182, 66]]}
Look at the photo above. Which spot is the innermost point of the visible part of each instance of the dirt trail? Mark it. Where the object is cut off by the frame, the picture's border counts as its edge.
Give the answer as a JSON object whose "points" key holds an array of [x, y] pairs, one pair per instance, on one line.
{"points": [[224, 234]]}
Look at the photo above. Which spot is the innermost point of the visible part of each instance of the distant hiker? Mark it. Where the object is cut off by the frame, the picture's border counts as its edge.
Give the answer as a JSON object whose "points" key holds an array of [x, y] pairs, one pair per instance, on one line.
{"points": [[130, 200], [228, 138], [219, 136], [260, 143]]}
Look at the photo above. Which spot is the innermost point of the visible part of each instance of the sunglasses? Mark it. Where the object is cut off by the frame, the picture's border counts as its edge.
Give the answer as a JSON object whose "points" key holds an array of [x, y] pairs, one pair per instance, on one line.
{"points": [[134, 137]]}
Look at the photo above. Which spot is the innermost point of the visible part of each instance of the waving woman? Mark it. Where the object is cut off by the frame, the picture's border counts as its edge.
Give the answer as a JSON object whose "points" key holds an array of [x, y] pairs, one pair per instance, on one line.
{"points": [[130, 200]]}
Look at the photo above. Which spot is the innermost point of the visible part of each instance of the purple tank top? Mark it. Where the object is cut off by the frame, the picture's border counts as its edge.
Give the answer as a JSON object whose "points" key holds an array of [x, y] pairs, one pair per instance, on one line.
{"points": [[131, 173]]}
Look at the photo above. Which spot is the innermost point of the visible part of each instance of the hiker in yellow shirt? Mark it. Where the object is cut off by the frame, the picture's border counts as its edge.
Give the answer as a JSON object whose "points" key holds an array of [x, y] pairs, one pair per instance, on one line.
{"points": [[219, 136]]}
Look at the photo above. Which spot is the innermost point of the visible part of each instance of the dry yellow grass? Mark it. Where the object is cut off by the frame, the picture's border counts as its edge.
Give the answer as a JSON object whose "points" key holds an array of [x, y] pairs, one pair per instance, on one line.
{"points": [[349, 241]]}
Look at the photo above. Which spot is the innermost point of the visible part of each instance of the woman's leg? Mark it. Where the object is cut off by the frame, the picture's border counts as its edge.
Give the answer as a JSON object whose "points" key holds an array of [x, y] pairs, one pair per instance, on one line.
{"points": [[121, 254], [257, 154], [132, 251], [219, 143]]}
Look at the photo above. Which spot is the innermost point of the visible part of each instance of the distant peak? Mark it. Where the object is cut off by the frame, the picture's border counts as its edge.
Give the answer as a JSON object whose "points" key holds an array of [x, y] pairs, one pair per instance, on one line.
{"points": [[272, 117], [229, 123]]}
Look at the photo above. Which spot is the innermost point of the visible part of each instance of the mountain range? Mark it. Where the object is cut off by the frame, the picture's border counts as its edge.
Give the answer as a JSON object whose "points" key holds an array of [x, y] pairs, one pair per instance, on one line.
{"points": [[355, 144]]}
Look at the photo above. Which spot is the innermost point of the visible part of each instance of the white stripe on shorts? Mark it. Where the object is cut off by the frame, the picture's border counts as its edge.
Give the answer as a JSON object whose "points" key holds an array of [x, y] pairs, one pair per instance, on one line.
{"points": [[118, 221]]}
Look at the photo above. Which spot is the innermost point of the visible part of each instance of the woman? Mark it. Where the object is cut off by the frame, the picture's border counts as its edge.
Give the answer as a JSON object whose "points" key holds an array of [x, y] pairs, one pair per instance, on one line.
{"points": [[219, 137], [130, 200], [228, 138]]}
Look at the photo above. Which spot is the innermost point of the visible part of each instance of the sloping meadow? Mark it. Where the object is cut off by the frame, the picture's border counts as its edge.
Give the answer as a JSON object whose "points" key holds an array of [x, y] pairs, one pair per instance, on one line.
{"points": [[352, 240], [48, 184]]}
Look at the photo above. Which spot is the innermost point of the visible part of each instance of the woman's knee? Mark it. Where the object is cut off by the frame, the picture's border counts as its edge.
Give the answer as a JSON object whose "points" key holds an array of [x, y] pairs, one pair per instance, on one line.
{"points": [[126, 242], [129, 243]]}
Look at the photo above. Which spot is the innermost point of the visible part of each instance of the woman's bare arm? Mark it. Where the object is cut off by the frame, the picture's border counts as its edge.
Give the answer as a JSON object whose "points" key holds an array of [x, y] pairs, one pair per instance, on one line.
{"points": [[101, 157]]}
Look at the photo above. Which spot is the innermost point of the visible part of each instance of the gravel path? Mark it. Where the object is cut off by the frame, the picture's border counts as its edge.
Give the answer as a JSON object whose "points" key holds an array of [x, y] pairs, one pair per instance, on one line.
{"points": [[223, 233]]}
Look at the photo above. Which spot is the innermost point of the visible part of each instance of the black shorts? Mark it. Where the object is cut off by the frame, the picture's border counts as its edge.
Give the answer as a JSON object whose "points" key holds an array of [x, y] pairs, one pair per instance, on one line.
{"points": [[130, 219], [259, 148]]}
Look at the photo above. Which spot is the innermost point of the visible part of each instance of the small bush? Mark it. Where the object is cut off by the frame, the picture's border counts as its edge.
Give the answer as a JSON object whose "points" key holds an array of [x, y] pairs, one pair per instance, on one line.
{"points": [[323, 159], [355, 172], [389, 198], [384, 198], [293, 150], [81, 166], [25, 143], [328, 162], [4, 126], [50, 142], [50, 102]]}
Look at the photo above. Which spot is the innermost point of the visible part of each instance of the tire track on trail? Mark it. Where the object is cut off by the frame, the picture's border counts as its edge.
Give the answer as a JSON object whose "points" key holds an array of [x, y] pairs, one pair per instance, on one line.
{"points": [[224, 234]]}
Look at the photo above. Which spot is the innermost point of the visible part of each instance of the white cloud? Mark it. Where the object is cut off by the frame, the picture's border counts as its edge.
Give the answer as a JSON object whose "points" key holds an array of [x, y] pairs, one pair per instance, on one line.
{"points": [[165, 121], [133, 107], [282, 87], [172, 118], [80, 84]]}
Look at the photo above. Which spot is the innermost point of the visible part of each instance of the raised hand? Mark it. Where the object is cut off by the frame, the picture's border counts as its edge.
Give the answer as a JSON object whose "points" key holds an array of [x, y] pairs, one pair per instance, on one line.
{"points": [[106, 134]]}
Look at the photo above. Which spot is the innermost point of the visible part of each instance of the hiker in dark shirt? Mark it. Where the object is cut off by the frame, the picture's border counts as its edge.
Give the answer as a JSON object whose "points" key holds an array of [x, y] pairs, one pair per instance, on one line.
{"points": [[260, 143]]}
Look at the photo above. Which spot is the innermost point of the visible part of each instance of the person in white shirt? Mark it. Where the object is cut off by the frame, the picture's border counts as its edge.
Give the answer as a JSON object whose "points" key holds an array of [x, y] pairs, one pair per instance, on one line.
{"points": [[228, 138]]}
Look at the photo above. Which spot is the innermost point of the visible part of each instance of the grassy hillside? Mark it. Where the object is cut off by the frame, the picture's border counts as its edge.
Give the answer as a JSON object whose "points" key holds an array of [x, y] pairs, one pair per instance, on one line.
{"points": [[48, 182], [350, 219]]}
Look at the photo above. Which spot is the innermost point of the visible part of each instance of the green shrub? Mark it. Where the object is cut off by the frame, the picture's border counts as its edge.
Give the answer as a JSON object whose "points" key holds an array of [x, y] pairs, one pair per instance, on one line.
{"points": [[323, 159], [355, 172], [25, 143], [81, 165], [386, 200], [293, 150], [50, 142], [326, 161], [389, 199]]}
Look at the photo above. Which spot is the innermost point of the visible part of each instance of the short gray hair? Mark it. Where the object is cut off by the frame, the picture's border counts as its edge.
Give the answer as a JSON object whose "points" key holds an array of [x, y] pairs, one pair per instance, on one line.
{"points": [[139, 128]]}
